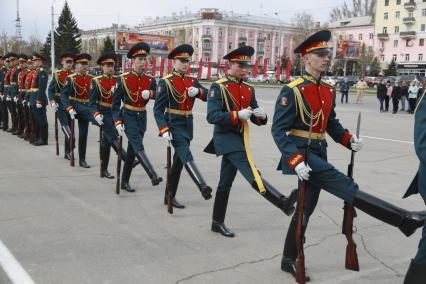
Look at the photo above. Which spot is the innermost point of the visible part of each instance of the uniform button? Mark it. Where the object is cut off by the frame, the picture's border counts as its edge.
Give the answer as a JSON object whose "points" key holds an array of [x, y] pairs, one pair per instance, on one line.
{"points": [[322, 101]]}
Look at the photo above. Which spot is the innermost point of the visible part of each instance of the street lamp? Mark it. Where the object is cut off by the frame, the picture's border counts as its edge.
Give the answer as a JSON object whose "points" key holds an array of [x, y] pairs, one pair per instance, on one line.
{"points": [[52, 39]]}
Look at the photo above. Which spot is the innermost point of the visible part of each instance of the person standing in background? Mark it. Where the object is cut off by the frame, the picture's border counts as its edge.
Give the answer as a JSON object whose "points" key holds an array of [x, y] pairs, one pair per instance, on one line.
{"points": [[413, 90], [360, 86], [381, 93], [396, 96], [344, 89], [404, 94], [388, 95]]}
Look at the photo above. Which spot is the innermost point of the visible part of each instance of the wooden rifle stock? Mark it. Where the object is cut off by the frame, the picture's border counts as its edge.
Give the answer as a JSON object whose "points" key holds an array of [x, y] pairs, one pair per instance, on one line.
{"points": [[56, 133], [72, 139], [169, 180], [101, 172], [300, 261], [120, 147]]}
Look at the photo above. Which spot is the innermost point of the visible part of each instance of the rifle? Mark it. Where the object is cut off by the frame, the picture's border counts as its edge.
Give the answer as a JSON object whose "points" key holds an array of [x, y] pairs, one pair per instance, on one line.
{"points": [[101, 172], [72, 139], [301, 219], [120, 148], [56, 133], [169, 190], [351, 262]]}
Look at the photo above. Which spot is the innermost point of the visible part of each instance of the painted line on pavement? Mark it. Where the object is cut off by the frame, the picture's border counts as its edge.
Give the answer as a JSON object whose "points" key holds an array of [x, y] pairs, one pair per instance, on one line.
{"points": [[11, 266]]}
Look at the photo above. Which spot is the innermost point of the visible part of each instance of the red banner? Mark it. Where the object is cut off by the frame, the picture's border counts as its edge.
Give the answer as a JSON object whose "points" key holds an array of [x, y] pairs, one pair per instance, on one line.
{"points": [[161, 67], [209, 70], [145, 68], [169, 66], [265, 67], [288, 69], [200, 69], [154, 66], [218, 68], [278, 70], [255, 68], [226, 68]]}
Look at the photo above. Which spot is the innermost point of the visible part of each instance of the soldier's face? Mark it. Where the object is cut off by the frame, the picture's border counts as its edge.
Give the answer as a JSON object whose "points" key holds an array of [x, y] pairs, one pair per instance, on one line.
{"points": [[82, 67], [139, 62], [1, 61], [38, 63], [317, 62], [12, 62], [67, 64], [239, 70], [22, 64], [181, 65], [108, 68]]}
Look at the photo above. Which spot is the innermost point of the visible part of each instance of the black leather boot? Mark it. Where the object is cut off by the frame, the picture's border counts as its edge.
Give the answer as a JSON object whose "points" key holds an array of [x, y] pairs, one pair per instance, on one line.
{"points": [[149, 169], [196, 176], [407, 221], [288, 262], [105, 154], [219, 212], [82, 144], [286, 204], [416, 274], [43, 134], [67, 155], [127, 170]]}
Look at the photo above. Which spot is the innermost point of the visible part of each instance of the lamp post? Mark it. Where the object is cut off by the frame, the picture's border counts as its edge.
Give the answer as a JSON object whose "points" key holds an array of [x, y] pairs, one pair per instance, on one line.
{"points": [[52, 39]]}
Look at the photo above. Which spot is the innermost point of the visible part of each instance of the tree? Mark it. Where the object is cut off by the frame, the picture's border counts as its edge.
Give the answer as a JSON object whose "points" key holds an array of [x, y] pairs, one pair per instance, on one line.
{"points": [[376, 68], [68, 39], [108, 45], [392, 69], [46, 48], [358, 8]]}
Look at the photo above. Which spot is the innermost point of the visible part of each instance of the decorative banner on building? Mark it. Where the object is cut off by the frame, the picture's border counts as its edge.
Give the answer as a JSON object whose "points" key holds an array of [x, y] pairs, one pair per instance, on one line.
{"points": [[347, 49], [159, 44]]}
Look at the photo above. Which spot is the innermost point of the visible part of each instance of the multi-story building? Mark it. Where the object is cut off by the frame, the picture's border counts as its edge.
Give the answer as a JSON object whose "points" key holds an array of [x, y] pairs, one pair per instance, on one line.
{"points": [[400, 28]]}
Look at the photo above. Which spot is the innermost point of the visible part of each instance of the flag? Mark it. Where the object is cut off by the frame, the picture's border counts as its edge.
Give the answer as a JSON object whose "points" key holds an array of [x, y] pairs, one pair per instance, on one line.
{"points": [[161, 67], [200, 69]]}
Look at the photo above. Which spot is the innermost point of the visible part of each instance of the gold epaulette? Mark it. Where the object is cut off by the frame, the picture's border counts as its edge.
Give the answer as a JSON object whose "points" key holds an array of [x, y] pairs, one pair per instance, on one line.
{"points": [[125, 74], [167, 76], [296, 82], [72, 75], [244, 82], [220, 81], [327, 84], [98, 77], [149, 75]]}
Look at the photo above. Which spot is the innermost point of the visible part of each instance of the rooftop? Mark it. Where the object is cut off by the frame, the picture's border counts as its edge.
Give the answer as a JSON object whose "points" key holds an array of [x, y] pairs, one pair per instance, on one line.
{"points": [[352, 22]]}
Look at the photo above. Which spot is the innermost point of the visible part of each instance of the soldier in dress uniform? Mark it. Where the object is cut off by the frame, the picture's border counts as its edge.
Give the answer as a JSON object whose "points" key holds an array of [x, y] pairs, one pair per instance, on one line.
{"points": [[75, 98], [134, 89], [8, 86], [38, 89], [2, 73], [20, 92], [100, 106], [176, 94], [54, 93], [417, 271], [293, 108], [231, 103], [29, 123]]}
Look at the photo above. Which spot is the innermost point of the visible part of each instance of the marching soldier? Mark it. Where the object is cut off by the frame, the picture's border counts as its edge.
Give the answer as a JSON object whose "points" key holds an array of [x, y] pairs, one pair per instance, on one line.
{"points": [[231, 103], [417, 271], [75, 99], [19, 96], [29, 124], [11, 58], [134, 89], [2, 73], [54, 93], [38, 89], [100, 104], [176, 94], [292, 118], [13, 89]]}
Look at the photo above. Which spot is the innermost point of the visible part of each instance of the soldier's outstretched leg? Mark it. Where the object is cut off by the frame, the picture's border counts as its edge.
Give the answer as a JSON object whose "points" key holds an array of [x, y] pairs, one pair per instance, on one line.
{"points": [[219, 212], [105, 154], [67, 135], [146, 164], [196, 176], [279, 200], [127, 170], [176, 170]]}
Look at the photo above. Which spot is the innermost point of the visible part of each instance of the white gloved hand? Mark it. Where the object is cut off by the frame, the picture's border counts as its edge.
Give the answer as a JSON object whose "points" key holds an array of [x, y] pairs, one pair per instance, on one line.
{"points": [[167, 136], [99, 119], [55, 106], [15, 99], [245, 114], [145, 94], [192, 91], [259, 112], [120, 129], [8, 98], [72, 113], [39, 105], [24, 103], [302, 171], [1, 96], [356, 143]]}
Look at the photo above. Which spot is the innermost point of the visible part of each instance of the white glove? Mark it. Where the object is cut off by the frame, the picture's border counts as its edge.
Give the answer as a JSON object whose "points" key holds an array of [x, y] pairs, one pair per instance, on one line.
{"points": [[259, 112], [192, 91], [8, 98], [302, 171], [15, 99], [356, 143], [167, 136], [145, 94], [120, 129], [1, 97], [38, 105], [245, 114], [24, 103], [99, 119], [55, 106], [72, 113]]}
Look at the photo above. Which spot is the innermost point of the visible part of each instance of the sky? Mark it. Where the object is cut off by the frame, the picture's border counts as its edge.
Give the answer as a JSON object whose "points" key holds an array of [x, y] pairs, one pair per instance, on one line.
{"points": [[36, 14]]}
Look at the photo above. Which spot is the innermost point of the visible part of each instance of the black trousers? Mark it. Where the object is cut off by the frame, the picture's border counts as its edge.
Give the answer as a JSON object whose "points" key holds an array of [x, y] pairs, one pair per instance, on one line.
{"points": [[395, 103], [386, 103]]}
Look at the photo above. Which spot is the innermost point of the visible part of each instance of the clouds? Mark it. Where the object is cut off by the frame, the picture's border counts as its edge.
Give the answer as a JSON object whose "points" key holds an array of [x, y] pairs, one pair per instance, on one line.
{"points": [[35, 14]]}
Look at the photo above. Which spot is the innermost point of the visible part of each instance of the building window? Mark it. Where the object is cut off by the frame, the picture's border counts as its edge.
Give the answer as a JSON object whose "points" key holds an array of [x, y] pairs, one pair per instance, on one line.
{"points": [[386, 2], [385, 30], [251, 35], [340, 37], [422, 27], [420, 57], [230, 45], [386, 16], [395, 43], [394, 57], [397, 14], [370, 49], [360, 37], [398, 2], [220, 32], [396, 29], [421, 42], [371, 35], [423, 12], [268, 36], [207, 31], [407, 57], [351, 37], [382, 57]]}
